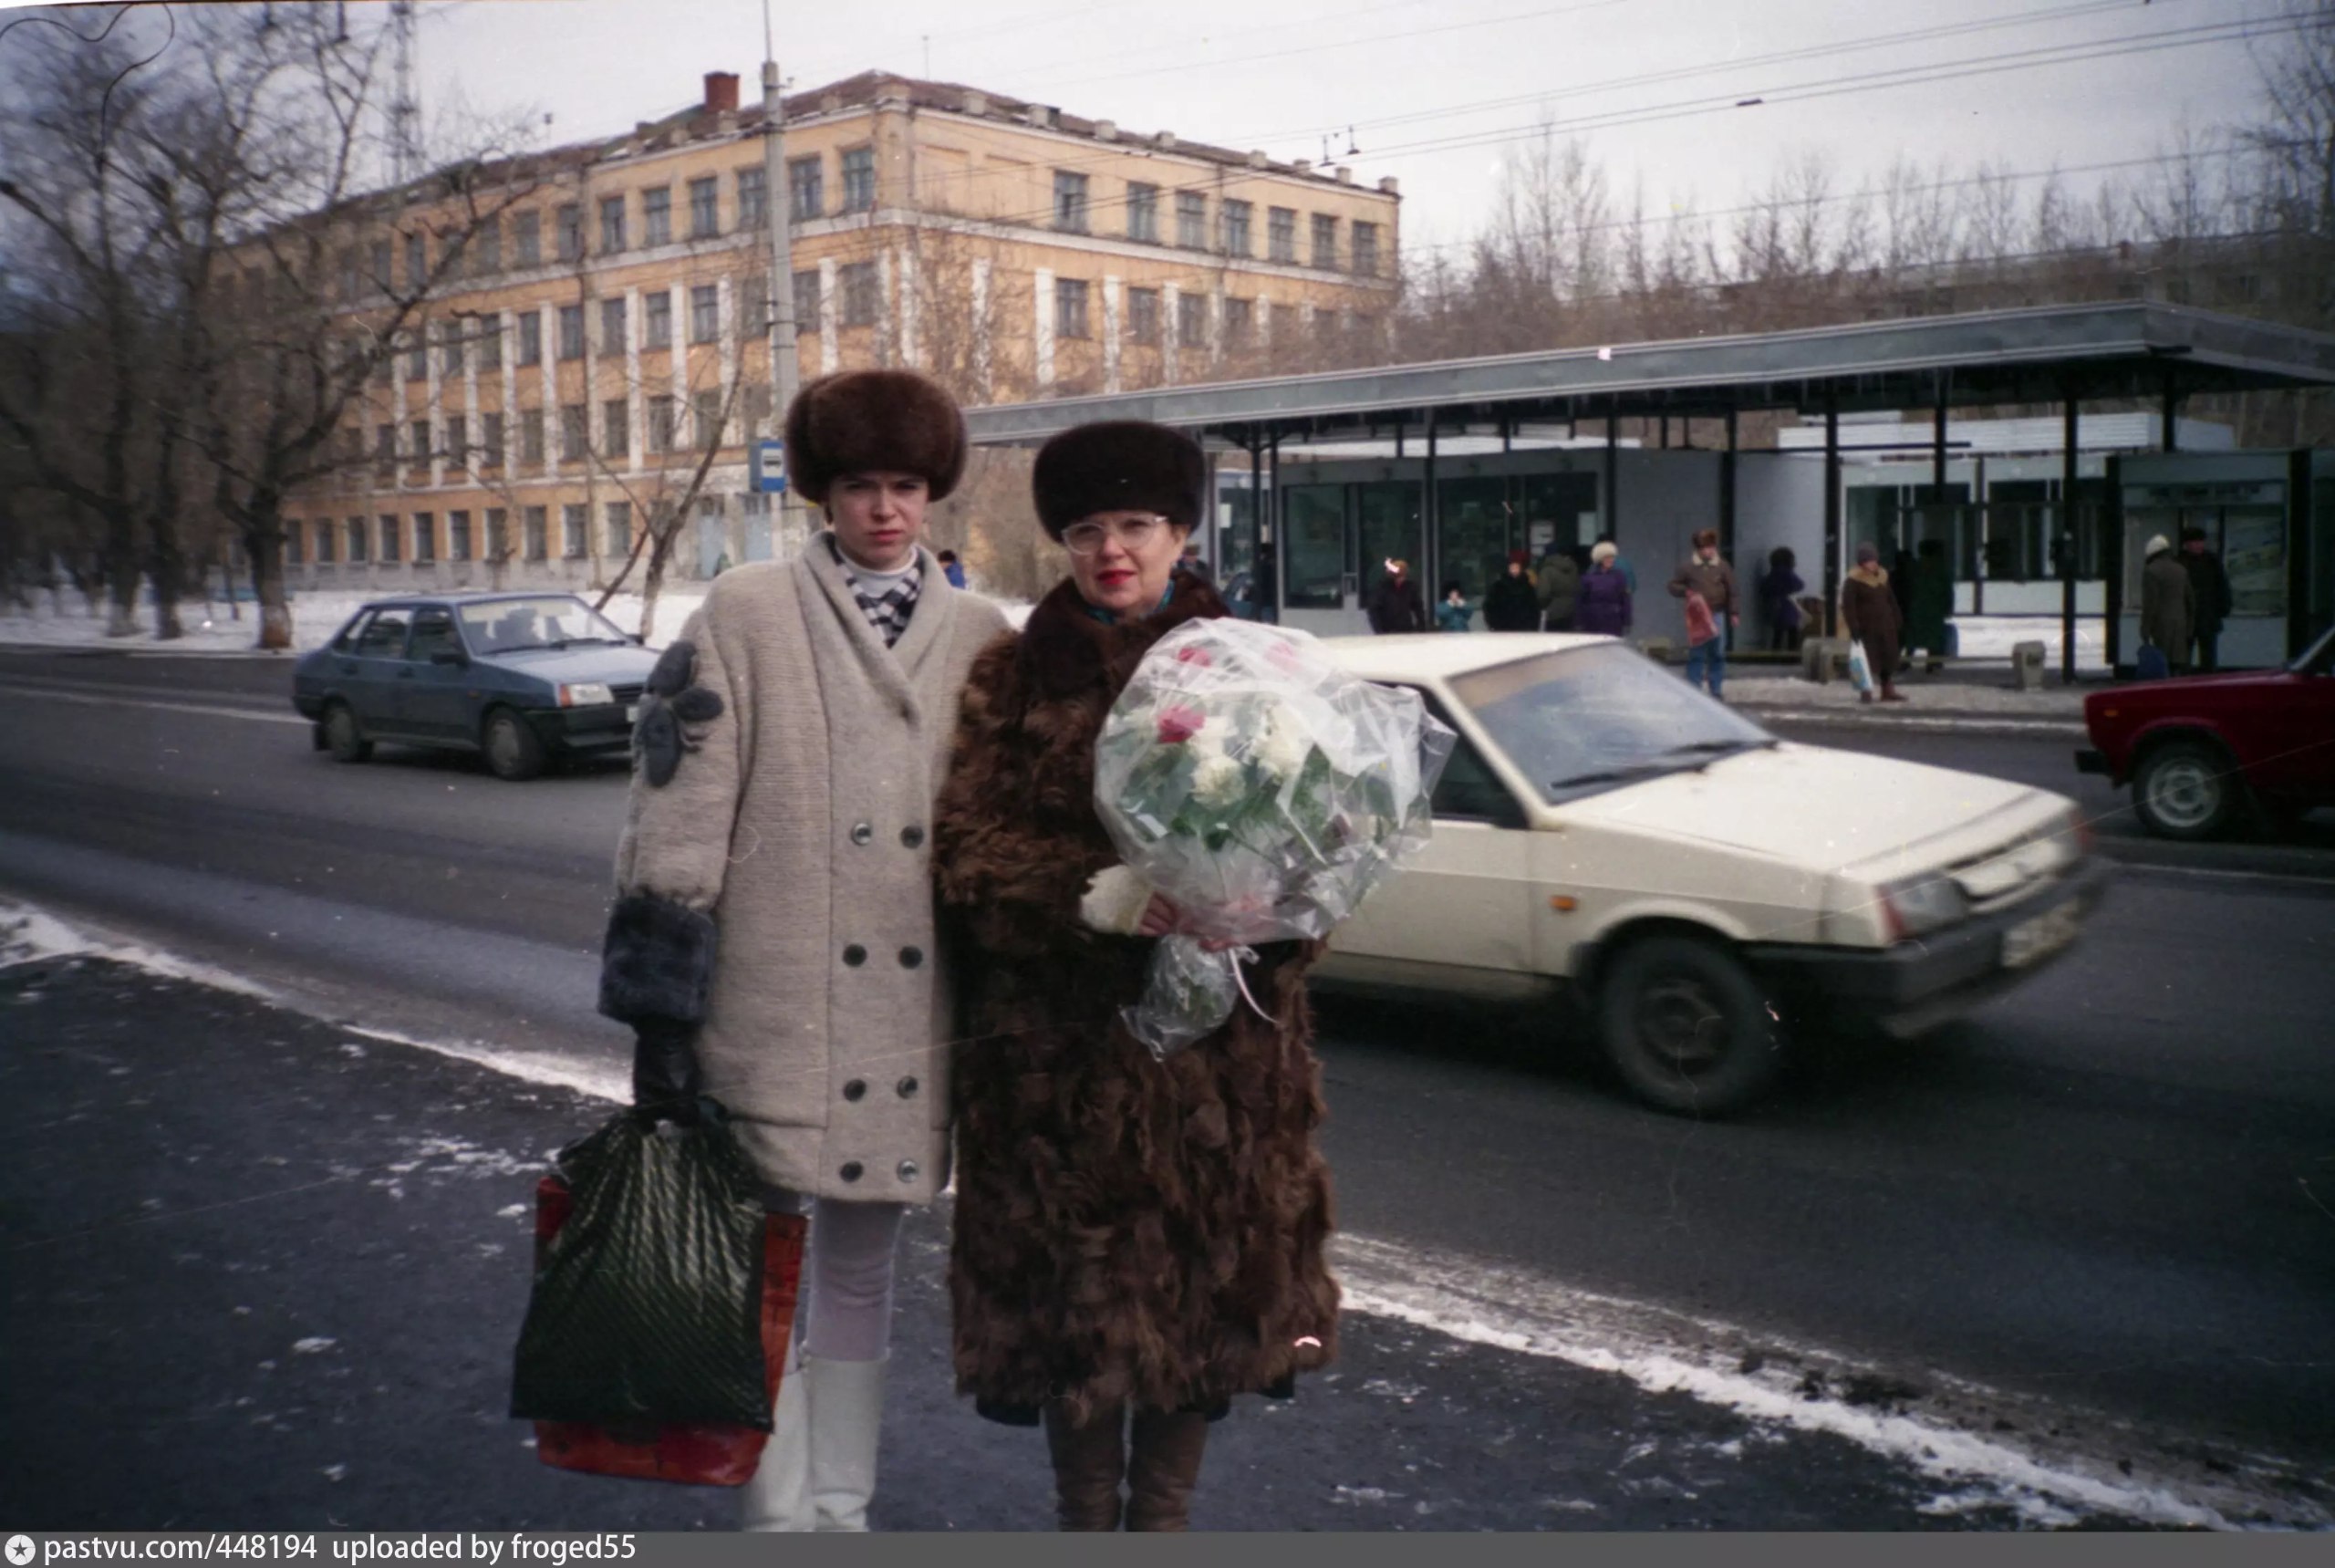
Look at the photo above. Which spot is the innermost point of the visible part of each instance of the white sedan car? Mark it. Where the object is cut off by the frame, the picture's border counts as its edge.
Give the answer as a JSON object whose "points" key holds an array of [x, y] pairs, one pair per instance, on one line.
{"points": [[1603, 825]]}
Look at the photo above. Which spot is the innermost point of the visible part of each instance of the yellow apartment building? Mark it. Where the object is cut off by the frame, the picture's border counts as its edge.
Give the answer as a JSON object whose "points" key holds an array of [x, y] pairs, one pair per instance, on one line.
{"points": [[611, 322]]}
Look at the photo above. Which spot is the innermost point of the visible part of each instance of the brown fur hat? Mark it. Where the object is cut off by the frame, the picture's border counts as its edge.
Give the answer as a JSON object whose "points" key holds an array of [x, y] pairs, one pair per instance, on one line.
{"points": [[863, 422], [1118, 465]]}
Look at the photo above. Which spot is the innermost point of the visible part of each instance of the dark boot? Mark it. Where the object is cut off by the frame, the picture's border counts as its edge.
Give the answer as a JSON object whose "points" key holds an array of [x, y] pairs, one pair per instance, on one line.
{"points": [[1163, 1468], [1088, 1463]]}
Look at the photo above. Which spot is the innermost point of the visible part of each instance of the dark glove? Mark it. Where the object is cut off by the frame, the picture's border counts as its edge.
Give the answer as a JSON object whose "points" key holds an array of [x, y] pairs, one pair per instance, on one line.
{"points": [[665, 1079]]}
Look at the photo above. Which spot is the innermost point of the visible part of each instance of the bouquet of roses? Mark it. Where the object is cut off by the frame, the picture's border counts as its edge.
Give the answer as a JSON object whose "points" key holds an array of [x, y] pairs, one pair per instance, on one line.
{"points": [[1265, 792]]}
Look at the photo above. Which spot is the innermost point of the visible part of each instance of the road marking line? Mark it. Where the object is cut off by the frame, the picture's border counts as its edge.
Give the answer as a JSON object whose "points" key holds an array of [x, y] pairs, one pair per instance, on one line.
{"points": [[92, 700], [2288, 878]]}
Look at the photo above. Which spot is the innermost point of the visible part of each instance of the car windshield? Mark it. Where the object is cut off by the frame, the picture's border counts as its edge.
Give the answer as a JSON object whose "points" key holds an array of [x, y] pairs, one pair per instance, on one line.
{"points": [[553, 621], [1588, 719]]}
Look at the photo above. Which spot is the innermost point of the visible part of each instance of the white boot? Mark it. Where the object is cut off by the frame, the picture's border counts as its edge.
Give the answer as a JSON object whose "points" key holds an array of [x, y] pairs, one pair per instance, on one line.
{"points": [[778, 1495], [846, 1413]]}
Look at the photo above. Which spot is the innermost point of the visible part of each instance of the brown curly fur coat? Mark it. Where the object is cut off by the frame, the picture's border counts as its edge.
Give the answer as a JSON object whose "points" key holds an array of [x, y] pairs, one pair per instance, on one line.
{"points": [[1126, 1229]]}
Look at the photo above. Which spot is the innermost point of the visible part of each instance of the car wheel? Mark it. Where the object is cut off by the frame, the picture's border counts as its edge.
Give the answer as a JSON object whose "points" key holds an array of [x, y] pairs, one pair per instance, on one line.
{"points": [[1687, 1027], [2184, 789], [513, 751], [343, 739]]}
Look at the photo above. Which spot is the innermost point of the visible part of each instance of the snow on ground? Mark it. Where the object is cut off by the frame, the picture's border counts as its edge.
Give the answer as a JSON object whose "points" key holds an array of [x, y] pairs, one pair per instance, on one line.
{"points": [[1951, 1432], [1945, 696]]}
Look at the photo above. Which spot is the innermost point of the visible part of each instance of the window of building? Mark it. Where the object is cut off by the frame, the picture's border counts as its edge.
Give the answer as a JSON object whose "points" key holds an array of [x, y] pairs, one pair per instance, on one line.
{"points": [[612, 325], [618, 517], [1235, 216], [859, 294], [707, 410], [392, 540], [531, 337], [611, 224], [807, 315], [705, 208], [657, 216], [569, 223], [1240, 322], [489, 342], [325, 538], [806, 187], [425, 538], [380, 278], [752, 193], [1191, 219], [458, 535], [458, 437], [860, 180], [531, 437], [450, 348], [385, 451], [417, 262], [572, 432], [754, 308], [417, 355], [536, 524], [295, 537], [358, 553], [350, 282], [1366, 249], [705, 313], [657, 318], [573, 521], [571, 332], [1142, 212], [616, 427], [416, 450], [490, 440], [1326, 240], [498, 535], [384, 367], [757, 408], [1070, 202], [661, 423], [1070, 308], [1142, 314], [528, 239], [1281, 234], [1191, 320], [486, 247]]}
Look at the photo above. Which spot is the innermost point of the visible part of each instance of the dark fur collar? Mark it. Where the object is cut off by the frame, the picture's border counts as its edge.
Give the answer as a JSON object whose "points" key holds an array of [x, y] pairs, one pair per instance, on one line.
{"points": [[1066, 649]]}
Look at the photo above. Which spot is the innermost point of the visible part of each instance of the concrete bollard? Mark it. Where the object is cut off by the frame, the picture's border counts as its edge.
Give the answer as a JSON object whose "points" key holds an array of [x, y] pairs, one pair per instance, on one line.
{"points": [[2026, 666]]}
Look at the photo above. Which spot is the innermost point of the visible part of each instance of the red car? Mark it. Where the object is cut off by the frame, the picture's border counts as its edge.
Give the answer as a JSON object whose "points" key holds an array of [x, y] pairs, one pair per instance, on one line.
{"points": [[2199, 750]]}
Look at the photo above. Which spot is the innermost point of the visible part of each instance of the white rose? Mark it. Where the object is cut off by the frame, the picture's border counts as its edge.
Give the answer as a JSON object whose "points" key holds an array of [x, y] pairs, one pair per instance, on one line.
{"points": [[1281, 752], [1218, 780]]}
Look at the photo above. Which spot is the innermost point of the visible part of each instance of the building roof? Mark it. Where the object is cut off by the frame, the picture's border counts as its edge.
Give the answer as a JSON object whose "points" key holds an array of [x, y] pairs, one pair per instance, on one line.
{"points": [[2029, 355]]}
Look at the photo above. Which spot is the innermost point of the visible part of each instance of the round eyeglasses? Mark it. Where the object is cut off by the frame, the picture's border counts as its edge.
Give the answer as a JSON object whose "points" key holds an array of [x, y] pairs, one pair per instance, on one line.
{"points": [[1134, 532]]}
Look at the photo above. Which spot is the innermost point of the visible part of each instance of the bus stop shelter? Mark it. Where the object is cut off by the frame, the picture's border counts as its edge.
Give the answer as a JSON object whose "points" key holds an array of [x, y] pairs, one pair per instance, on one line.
{"points": [[1412, 419]]}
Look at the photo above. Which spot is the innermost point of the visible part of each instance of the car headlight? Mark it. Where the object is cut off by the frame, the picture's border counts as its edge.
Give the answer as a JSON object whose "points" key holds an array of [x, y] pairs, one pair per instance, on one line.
{"points": [[585, 695], [1918, 905]]}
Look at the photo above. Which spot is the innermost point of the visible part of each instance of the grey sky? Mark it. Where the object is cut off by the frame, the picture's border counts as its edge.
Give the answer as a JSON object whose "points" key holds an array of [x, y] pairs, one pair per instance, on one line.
{"points": [[1430, 87]]}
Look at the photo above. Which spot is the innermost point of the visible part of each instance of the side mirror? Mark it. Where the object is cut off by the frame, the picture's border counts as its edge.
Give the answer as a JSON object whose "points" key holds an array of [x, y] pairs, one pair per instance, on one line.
{"points": [[450, 656]]}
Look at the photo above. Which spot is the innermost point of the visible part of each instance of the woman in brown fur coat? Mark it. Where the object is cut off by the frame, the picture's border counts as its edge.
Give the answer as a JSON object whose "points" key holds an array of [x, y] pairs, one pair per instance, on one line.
{"points": [[1136, 1241]]}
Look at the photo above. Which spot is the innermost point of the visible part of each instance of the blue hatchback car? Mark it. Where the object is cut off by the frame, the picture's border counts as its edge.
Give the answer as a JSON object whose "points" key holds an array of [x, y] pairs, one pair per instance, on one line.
{"points": [[519, 678]]}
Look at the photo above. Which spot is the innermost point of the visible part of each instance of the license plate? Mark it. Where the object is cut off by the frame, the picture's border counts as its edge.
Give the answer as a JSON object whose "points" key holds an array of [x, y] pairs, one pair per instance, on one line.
{"points": [[2039, 938], [632, 714]]}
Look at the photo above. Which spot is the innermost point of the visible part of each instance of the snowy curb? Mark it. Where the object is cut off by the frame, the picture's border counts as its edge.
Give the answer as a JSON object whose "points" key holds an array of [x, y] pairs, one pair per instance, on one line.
{"points": [[1965, 721]]}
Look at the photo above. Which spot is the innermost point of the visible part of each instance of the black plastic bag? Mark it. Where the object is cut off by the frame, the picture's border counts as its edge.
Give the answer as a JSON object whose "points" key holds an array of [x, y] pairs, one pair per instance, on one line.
{"points": [[645, 1307]]}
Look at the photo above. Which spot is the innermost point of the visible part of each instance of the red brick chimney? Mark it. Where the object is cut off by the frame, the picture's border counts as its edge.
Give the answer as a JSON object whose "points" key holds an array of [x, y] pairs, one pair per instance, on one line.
{"points": [[721, 92]]}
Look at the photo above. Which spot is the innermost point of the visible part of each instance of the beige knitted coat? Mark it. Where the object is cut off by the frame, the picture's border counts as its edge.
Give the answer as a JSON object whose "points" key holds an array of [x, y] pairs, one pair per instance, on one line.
{"points": [[800, 818]]}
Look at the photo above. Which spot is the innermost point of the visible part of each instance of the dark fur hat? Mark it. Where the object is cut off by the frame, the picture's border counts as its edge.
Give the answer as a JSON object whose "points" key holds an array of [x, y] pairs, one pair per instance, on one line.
{"points": [[1118, 465], [863, 422]]}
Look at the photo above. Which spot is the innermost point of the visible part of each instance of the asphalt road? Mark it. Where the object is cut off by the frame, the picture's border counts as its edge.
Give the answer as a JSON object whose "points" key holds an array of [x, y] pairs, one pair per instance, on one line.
{"points": [[2112, 1191]]}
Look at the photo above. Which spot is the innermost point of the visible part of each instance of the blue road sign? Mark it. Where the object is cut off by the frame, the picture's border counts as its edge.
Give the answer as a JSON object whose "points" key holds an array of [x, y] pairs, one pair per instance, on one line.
{"points": [[766, 468]]}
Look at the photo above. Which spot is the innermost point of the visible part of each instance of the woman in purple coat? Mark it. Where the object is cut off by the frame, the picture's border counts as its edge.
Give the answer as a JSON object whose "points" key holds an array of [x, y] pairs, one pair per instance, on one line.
{"points": [[1603, 605]]}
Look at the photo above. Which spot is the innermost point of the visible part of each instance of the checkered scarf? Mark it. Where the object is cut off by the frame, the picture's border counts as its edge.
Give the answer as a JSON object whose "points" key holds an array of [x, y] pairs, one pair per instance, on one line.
{"points": [[887, 606]]}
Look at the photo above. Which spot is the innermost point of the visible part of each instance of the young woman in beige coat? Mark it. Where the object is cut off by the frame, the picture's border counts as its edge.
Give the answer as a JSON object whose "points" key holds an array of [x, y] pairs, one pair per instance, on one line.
{"points": [[773, 940]]}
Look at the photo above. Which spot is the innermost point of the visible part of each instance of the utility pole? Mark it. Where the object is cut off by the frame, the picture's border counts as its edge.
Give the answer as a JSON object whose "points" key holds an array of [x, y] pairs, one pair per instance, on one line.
{"points": [[777, 204], [405, 101]]}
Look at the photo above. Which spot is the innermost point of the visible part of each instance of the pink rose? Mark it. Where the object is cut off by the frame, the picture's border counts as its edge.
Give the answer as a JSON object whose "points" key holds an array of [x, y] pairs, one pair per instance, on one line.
{"points": [[1179, 723], [1194, 654]]}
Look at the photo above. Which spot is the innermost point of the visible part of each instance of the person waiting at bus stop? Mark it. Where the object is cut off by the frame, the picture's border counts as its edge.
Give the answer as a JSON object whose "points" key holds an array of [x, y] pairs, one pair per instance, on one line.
{"points": [[1707, 584]]}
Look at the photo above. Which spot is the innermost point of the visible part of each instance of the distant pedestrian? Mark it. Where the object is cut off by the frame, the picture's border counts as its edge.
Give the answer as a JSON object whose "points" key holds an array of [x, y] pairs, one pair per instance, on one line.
{"points": [[1930, 603], [1605, 607], [1395, 604], [1707, 586], [1512, 604], [951, 569], [2168, 604], [1559, 587], [1869, 614], [1189, 564], [1454, 613], [1780, 593], [1621, 563], [2211, 582]]}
